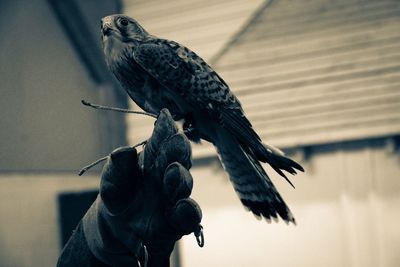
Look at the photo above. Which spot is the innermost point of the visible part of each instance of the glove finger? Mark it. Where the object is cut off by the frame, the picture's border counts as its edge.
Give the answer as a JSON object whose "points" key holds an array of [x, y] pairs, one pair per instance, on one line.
{"points": [[176, 149], [119, 178], [177, 183], [185, 216], [164, 128]]}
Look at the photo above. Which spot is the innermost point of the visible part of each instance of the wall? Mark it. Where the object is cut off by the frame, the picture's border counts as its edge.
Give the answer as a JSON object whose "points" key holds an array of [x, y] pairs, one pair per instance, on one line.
{"points": [[346, 206], [44, 125], [29, 225], [46, 134]]}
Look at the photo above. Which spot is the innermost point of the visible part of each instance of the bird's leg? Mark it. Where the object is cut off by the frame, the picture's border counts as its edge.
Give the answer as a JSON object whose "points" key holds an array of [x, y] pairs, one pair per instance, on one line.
{"points": [[190, 130], [117, 109]]}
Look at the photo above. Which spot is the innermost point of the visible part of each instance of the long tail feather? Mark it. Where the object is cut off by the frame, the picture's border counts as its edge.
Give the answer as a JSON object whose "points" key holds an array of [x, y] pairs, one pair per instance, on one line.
{"points": [[278, 161], [249, 179]]}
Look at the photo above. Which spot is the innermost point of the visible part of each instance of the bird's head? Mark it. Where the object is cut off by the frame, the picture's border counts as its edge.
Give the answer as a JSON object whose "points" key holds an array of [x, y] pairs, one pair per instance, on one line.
{"points": [[121, 27]]}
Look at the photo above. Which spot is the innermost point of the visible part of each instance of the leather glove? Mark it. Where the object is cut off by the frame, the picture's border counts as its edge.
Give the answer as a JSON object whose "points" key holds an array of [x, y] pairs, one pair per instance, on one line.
{"points": [[143, 206]]}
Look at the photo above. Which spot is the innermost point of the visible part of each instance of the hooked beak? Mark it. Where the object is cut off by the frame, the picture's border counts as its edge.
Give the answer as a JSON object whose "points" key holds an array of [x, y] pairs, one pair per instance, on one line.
{"points": [[105, 26], [105, 30]]}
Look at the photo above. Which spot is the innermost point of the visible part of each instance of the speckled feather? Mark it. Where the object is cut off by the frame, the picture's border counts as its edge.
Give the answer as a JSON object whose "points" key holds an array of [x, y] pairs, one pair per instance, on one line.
{"points": [[159, 73], [176, 67], [181, 70]]}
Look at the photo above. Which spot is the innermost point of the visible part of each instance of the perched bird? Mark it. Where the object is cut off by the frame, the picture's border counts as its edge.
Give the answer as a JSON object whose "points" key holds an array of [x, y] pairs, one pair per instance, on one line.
{"points": [[159, 73]]}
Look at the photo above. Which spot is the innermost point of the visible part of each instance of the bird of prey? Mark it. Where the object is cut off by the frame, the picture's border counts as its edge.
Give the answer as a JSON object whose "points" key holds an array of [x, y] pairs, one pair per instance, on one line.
{"points": [[159, 73]]}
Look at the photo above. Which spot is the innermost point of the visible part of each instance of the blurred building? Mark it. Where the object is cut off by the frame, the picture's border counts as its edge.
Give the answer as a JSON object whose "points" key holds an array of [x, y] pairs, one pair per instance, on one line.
{"points": [[318, 78], [321, 80], [50, 60]]}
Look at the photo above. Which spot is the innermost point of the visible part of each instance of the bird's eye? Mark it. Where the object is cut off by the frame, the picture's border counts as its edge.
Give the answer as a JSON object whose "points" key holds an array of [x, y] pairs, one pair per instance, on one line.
{"points": [[124, 22]]}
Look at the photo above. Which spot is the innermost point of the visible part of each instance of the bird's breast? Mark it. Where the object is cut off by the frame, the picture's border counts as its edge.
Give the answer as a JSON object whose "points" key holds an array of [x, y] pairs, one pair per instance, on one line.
{"points": [[146, 91]]}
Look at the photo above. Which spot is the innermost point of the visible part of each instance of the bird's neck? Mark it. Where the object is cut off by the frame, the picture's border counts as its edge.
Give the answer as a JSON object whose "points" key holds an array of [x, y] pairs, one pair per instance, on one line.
{"points": [[115, 49]]}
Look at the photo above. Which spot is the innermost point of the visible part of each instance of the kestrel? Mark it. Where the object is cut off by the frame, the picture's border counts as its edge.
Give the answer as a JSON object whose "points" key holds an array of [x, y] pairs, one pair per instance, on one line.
{"points": [[159, 73]]}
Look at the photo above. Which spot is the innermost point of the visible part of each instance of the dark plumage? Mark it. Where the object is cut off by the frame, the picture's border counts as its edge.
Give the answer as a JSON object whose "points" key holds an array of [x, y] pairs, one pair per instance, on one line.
{"points": [[159, 73]]}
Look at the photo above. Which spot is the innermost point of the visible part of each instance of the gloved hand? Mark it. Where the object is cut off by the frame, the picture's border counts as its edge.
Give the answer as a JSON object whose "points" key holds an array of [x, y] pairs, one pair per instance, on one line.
{"points": [[144, 205]]}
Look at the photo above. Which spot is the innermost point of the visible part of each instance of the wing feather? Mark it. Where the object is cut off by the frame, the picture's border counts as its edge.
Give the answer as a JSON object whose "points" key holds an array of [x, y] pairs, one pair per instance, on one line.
{"points": [[179, 69]]}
